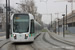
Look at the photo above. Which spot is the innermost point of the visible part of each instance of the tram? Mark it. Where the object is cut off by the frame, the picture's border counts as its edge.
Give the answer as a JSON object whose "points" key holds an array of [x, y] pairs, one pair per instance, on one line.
{"points": [[23, 27]]}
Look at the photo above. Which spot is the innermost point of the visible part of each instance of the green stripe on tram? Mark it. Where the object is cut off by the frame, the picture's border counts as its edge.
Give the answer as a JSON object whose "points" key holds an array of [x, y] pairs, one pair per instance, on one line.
{"points": [[11, 35], [32, 34]]}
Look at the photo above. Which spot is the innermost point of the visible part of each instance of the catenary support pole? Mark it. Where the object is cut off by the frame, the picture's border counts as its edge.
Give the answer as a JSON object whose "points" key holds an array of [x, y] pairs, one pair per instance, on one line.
{"points": [[66, 17]]}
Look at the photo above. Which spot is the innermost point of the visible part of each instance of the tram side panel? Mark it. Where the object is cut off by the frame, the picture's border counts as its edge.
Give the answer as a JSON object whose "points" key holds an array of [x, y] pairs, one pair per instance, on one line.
{"points": [[34, 30], [37, 28]]}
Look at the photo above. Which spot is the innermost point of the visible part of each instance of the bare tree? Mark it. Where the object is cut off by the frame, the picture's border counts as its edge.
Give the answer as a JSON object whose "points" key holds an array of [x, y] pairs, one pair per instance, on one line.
{"points": [[29, 6]]}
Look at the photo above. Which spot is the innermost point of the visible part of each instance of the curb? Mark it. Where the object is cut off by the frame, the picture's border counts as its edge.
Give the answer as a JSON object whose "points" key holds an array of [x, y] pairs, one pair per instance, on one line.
{"points": [[60, 39]]}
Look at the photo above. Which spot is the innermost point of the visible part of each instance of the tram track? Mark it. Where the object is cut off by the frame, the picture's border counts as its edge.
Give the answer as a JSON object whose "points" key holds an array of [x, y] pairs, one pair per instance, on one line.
{"points": [[59, 41], [24, 46], [29, 44], [15, 47], [48, 41], [33, 47], [51, 43], [4, 44]]}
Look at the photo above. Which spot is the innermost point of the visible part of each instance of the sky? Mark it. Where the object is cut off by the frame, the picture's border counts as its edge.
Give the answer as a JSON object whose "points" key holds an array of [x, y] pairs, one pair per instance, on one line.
{"points": [[47, 8]]}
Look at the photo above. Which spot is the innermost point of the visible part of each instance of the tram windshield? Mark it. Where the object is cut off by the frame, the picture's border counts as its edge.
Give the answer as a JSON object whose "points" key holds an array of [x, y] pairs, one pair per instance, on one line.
{"points": [[21, 23]]}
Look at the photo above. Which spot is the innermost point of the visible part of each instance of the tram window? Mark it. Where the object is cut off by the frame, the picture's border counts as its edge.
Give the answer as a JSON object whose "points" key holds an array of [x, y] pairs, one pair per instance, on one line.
{"points": [[21, 23], [21, 16], [32, 27]]}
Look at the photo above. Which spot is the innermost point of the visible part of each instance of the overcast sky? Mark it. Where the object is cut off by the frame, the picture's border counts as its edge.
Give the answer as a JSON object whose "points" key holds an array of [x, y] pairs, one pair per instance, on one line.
{"points": [[47, 8]]}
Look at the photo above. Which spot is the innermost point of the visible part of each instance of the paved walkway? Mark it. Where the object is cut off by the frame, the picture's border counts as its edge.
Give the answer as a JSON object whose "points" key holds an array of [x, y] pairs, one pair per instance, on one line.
{"points": [[69, 38]]}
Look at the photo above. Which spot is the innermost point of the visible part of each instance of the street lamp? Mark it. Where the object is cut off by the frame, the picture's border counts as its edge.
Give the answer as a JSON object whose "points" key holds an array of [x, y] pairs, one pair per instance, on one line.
{"points": [[58, 26], [66, 17], [51, 20], [63, 25], [55, 27], [7, 18], [20, 4], [66, 12], [24, 6], [43, 0]]}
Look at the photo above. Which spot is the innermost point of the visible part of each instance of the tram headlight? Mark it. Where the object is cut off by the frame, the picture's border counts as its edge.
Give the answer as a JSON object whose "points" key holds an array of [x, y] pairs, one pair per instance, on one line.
{"points": [[14, 36], [26, 36]]}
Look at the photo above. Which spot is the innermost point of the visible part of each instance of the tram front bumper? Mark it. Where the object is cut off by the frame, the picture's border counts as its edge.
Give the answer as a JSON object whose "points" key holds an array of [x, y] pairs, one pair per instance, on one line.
{"points": [[30, 39]]}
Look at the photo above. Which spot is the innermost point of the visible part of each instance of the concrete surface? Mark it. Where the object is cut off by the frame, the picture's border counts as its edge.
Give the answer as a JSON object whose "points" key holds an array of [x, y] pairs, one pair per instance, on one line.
{"points": [[39, 44]]}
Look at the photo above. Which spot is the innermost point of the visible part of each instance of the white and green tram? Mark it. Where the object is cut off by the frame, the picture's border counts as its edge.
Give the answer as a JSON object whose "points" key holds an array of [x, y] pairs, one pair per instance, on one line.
{"points": [[23, 28]]}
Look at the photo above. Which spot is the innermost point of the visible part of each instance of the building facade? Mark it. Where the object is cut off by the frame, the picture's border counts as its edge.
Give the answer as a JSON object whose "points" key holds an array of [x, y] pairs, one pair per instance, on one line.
{"points": [[70, 25]]}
